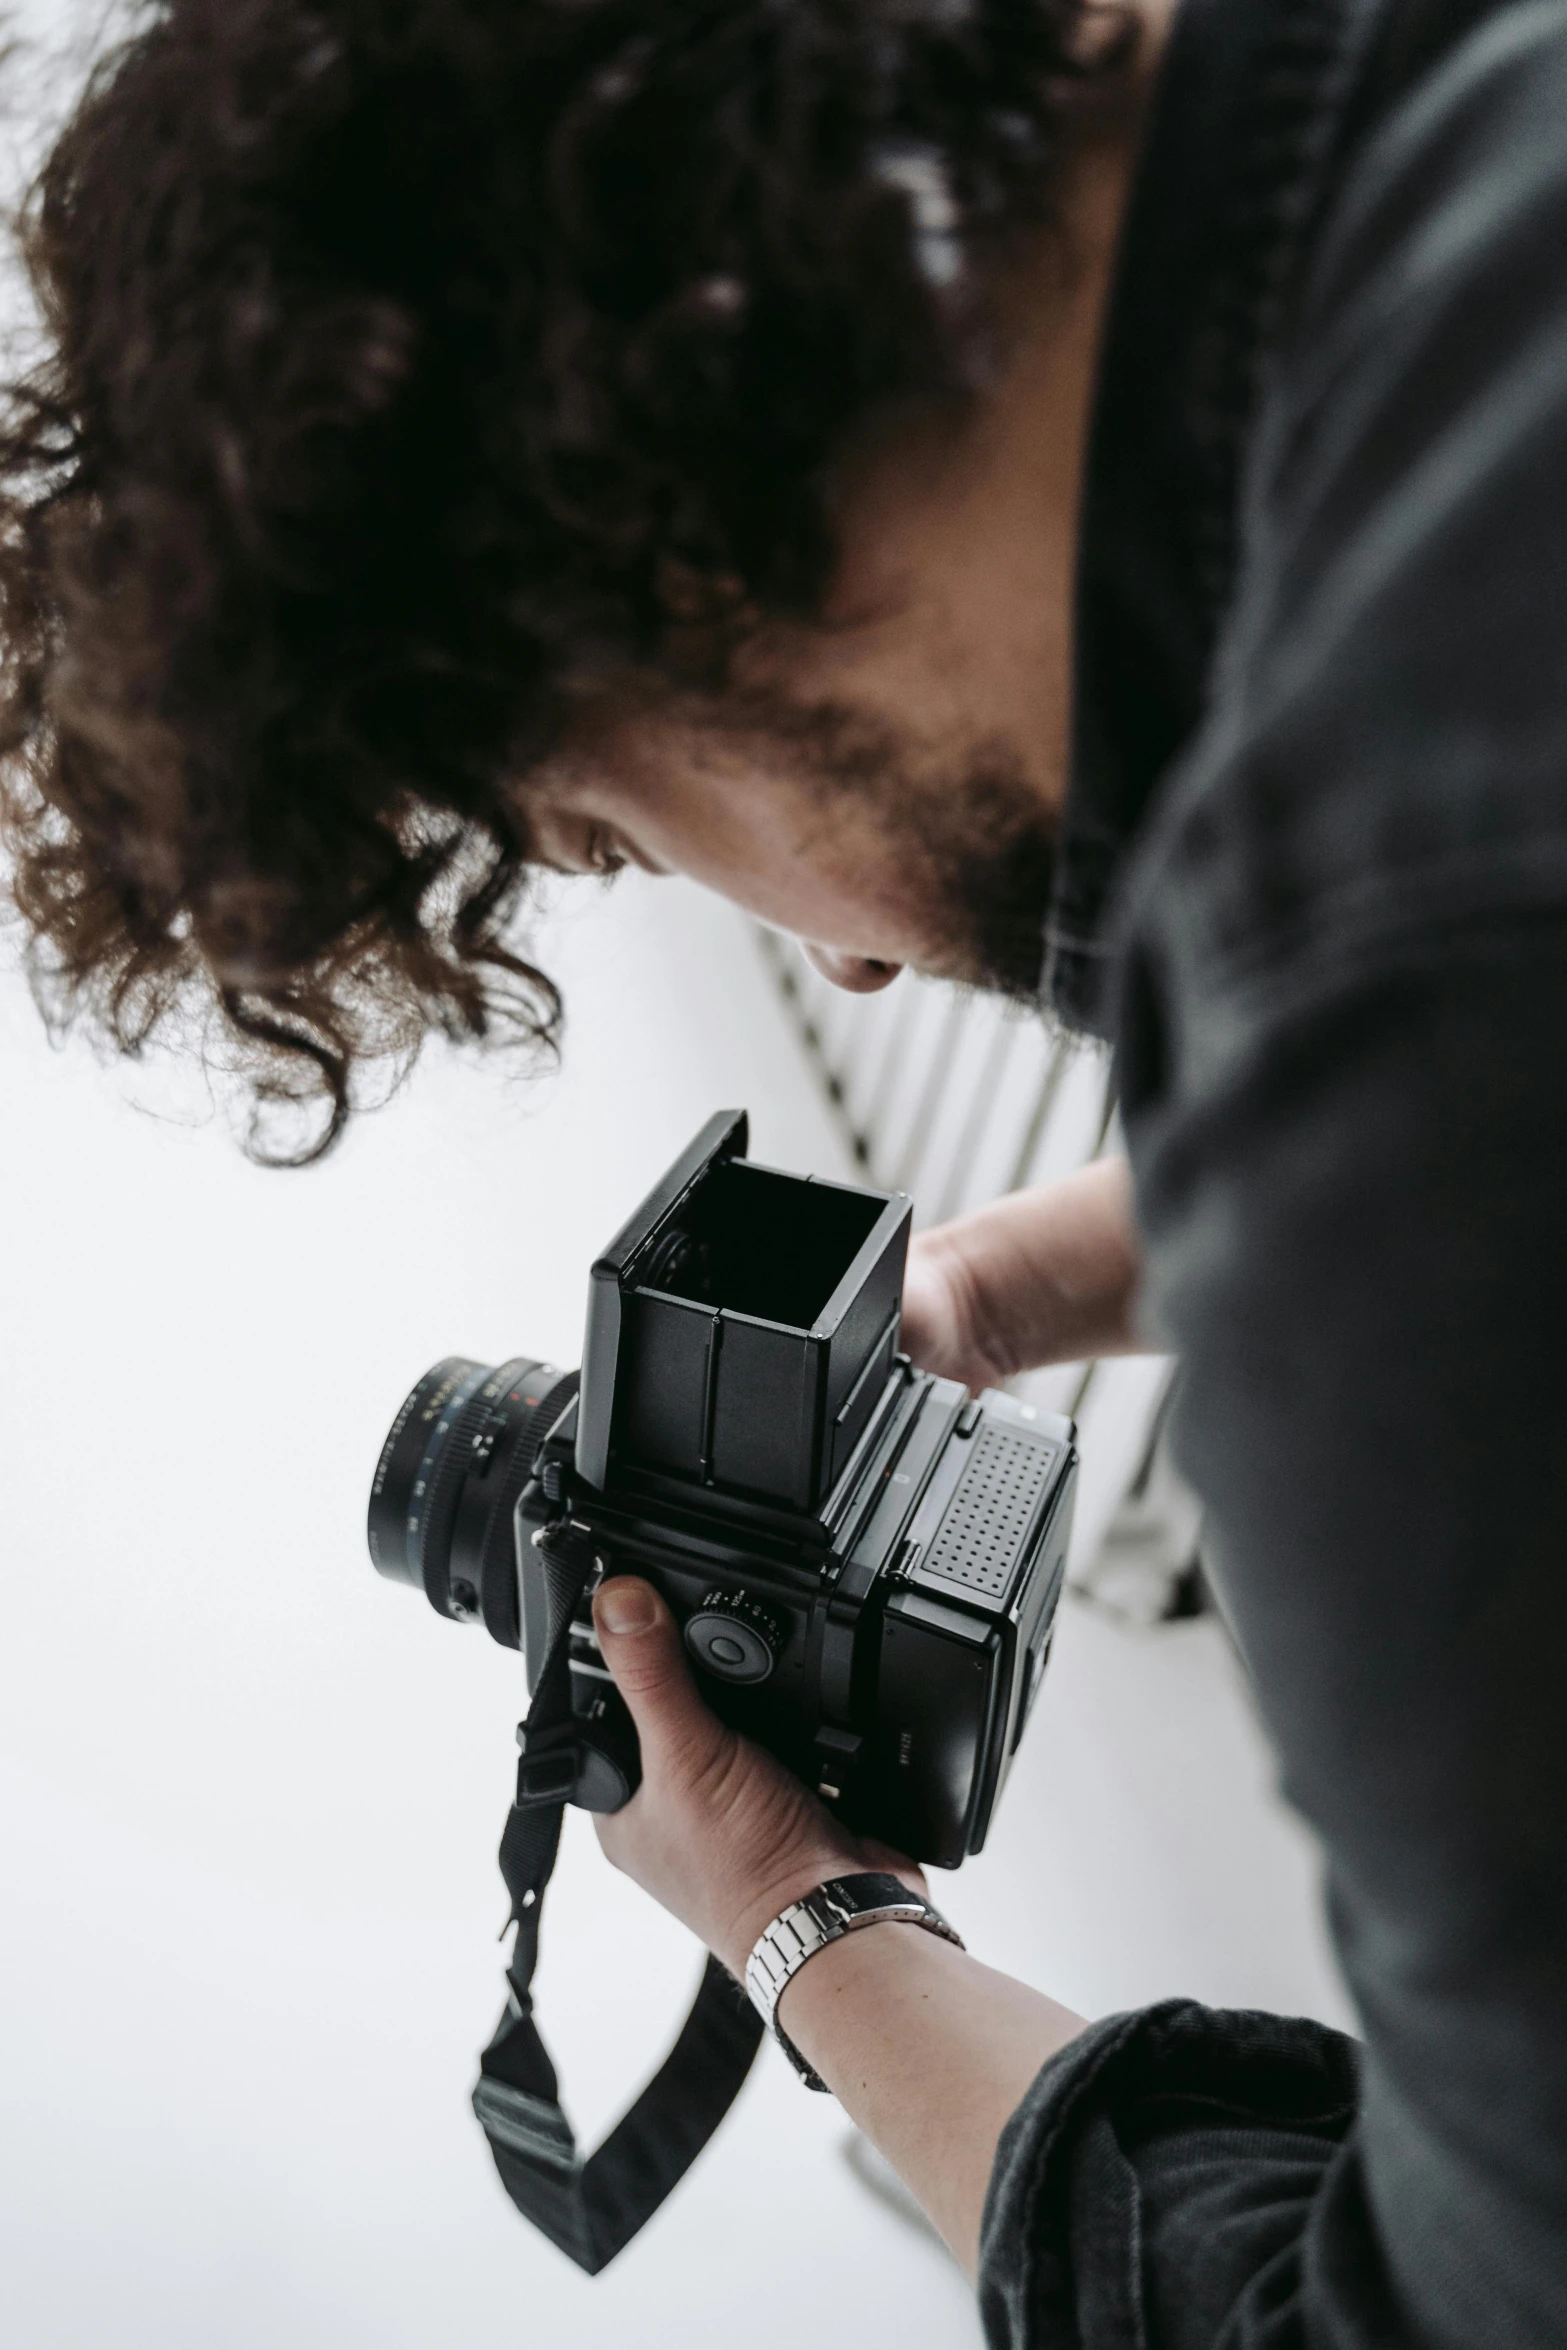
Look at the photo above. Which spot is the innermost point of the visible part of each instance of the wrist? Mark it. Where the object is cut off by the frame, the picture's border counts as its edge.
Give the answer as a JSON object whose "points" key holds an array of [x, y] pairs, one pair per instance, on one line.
{"points": [[874, 1963], [791, 1884], [844, 1907]]}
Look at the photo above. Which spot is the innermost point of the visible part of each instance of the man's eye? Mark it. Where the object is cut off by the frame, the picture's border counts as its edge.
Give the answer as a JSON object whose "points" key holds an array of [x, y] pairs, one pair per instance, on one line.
{"points": [[605, 855]]}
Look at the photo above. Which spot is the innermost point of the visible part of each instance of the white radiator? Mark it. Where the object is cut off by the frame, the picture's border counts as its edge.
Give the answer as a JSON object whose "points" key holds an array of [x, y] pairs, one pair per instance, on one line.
{"points": [[956, 1097]]}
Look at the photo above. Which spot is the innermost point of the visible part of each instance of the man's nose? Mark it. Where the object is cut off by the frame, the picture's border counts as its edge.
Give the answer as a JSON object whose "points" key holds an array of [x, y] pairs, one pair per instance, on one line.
{"points": [[859, 974]]}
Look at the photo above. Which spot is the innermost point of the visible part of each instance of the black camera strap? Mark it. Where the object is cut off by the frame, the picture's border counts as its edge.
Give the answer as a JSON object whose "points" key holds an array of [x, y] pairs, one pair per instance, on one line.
{"points": [[590, 2207]]}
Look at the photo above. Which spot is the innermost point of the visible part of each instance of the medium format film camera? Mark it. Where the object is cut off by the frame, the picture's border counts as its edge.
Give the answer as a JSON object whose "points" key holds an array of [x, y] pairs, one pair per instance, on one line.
{"points": [[865, 1559]]}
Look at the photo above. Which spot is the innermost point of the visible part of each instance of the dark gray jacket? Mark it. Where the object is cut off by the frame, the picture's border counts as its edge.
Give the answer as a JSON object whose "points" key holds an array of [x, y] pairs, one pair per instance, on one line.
{"points": [[1315, 885]]}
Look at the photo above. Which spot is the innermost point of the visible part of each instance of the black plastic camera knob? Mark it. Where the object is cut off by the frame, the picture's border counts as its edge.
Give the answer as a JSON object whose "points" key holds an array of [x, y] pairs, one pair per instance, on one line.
{"points": [[732, 1638]]}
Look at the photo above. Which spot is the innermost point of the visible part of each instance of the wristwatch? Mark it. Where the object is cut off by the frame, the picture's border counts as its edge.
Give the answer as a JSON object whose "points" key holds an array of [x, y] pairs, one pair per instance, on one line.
{"points": [[839, 1907]]}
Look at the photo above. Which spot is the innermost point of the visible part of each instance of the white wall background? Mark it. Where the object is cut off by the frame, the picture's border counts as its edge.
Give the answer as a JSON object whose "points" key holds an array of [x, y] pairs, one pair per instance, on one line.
{"points": [[249, 1794]]}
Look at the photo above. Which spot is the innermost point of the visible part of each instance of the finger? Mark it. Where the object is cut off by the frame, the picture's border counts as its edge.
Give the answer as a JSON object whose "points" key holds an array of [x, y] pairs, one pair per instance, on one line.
{"points": [[921, 1307], [641, 1646]]}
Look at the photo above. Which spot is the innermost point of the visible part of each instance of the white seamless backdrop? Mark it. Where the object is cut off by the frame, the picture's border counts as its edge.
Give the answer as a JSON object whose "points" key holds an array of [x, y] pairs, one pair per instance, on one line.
{"points": [[249, 1794]]}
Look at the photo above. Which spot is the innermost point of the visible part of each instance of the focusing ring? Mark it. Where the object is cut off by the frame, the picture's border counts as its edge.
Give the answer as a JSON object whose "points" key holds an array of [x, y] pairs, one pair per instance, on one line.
{"points": [[482, 1548], [447, 1477], [406, 1468], [499, 1591]]}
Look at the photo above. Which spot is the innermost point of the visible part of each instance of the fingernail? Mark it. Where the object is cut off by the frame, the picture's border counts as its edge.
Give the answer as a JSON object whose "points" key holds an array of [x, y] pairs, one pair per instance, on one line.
{"points": [[625, 1605]]}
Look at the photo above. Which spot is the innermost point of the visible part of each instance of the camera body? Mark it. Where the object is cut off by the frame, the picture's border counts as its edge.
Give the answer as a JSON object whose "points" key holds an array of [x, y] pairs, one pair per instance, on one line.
{"points": [[865, 1559]]}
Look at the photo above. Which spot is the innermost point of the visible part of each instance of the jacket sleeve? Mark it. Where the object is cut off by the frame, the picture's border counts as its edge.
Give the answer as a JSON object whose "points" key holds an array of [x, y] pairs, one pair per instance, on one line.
{"points": [[1161, 2172], [1358, 1237], [1343, 1039]]}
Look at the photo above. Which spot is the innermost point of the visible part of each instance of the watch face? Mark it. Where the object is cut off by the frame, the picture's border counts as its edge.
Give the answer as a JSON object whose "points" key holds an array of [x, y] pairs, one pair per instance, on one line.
{"points": [[855, 1896]]}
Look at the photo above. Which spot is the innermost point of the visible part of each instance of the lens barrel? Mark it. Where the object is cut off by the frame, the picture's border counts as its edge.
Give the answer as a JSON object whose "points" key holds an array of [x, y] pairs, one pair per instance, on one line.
{"points": [[458, 1455]]}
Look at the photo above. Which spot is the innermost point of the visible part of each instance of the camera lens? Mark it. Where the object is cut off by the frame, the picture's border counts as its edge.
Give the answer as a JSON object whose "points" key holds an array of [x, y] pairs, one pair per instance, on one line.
{"points": [[459, 1453]]}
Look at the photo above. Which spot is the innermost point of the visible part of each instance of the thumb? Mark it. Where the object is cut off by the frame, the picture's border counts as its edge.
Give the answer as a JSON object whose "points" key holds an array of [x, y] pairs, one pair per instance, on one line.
{"points": [[641, 1645]]}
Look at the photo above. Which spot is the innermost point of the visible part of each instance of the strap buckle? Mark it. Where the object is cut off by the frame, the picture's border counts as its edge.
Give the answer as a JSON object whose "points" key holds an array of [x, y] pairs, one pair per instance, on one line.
{"points": [[549, 1766], [575, 1762]]}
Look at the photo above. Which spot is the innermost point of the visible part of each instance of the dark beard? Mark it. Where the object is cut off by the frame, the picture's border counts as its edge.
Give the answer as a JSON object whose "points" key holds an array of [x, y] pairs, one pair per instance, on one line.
{"points": [[996, 849], [979, 847]]}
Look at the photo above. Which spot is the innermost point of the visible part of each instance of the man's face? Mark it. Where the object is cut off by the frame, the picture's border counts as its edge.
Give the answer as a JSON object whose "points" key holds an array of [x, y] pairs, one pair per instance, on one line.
{"points": [[871, 849], [886, 783]]}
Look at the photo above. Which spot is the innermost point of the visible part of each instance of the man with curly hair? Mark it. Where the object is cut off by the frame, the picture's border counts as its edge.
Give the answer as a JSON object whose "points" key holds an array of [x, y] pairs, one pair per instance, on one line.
{"points": [[1070, 497]]}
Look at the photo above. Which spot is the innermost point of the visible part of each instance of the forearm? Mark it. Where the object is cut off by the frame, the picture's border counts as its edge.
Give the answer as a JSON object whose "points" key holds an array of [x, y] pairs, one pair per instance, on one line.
{"points": [[931, 2053], [927, 2049], [1051, 1274]]}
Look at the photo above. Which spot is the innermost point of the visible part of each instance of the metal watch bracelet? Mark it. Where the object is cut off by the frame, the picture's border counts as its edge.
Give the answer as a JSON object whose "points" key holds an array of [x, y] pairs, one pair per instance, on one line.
{"points": [[840, 1906]]}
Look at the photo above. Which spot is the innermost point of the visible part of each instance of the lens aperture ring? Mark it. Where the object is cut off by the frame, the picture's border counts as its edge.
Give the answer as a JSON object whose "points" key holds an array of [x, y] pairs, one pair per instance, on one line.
{"points": [[458, 1456], [448, 1475], [483, 1552], [400, 1493]]}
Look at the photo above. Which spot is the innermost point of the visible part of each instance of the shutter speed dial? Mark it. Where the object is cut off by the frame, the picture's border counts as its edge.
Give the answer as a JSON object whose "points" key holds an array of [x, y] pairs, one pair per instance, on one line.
{"points": [[732, 1638]]}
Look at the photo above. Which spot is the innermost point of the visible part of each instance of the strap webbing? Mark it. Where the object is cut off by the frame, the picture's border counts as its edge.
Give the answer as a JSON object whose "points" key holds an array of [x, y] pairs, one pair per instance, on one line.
{"points": [[592, 2207]]}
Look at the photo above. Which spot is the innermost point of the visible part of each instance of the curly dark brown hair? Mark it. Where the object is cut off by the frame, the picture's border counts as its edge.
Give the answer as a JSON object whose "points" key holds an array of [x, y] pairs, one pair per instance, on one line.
{"points": [[412, 367]]}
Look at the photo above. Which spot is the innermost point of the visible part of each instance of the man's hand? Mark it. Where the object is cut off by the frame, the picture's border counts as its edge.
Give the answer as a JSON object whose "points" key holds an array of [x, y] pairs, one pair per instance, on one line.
{"points": [[1043, 1276], [927, 2049], [718, 1832], [943, 1315]]}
